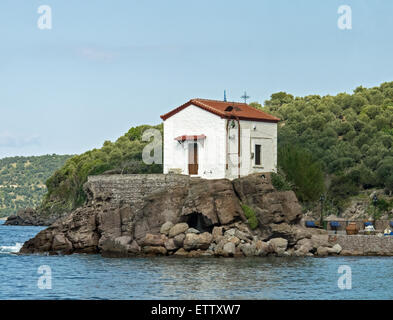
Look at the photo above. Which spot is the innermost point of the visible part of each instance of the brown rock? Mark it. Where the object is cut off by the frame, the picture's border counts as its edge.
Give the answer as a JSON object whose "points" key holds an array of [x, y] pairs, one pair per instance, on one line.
{"points": [[154, 240], [322, 251], [124, 240], [238, 253], [248, 249], [336, 249], [321, 241], [197, 241], [181, 252], [157, 208], [154, 250], [234, 240], [179, 239], [61, 243], [262, 248], [101, 224], [217, 234], [243, 235], [270, 206], [134, 247], [109, 224], [170, 245], [215, 200], [177, 229], [229, 249], [113, 248], [195, 253], [192, 230], [166, 227], [278, 245]]}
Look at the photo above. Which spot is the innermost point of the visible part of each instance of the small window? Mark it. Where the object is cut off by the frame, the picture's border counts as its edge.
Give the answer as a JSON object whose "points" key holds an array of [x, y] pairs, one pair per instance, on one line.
{"points": [[258, 154]]}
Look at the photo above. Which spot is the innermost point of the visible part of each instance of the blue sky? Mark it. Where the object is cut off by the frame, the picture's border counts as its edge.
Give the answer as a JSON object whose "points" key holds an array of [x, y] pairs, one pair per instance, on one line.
{"points": [[108, 65]]}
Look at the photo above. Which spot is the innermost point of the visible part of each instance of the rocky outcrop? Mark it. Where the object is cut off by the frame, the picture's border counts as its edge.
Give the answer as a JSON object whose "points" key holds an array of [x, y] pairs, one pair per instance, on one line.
{"points": [[276, 211], [193, 218], [31, 217]]}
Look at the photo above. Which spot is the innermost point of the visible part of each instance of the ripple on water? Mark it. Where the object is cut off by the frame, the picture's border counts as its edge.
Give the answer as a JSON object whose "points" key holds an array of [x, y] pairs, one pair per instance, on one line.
{"points": [[94, 277]]}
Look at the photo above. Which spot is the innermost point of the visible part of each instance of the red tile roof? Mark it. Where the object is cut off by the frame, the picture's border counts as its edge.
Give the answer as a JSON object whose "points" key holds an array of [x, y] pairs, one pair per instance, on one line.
{"points": [[241, 110]]}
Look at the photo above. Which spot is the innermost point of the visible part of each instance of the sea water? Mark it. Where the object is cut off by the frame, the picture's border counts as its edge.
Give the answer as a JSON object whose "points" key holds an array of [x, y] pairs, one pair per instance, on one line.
{"points": [[83, 276]]}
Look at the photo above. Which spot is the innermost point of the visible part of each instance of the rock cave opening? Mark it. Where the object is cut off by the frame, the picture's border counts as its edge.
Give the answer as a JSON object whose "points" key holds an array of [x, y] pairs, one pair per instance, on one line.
{"points": [[200, 222]]}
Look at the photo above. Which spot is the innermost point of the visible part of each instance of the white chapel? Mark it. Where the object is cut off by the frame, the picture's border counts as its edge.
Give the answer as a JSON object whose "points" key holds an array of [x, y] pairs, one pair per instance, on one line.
{"points": [[218, 139]]}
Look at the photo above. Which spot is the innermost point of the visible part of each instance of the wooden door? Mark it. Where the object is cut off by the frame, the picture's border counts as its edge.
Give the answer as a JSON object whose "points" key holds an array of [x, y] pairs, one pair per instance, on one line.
{"points": [[193, 158]]}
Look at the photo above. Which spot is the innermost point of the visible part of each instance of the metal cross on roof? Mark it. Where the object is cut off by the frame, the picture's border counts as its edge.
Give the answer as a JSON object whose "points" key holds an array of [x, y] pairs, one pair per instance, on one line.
{"points": [[245, 97]]}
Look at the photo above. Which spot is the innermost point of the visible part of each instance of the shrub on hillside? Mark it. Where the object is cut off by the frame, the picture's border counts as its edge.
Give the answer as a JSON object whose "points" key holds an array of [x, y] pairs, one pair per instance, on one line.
{"points": [[251, 217]]}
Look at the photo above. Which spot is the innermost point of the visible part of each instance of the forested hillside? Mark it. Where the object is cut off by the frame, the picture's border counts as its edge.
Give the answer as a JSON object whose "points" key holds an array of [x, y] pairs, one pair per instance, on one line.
{"points": [[22, 180], [351, 135]]}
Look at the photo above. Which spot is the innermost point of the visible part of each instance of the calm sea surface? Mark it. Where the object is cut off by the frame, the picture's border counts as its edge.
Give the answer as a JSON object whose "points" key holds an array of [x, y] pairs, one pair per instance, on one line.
{"points": [[94, 277]]}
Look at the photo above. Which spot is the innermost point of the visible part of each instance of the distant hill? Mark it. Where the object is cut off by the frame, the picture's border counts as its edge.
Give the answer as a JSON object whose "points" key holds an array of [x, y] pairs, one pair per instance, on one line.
{"points": [[22, 180]]}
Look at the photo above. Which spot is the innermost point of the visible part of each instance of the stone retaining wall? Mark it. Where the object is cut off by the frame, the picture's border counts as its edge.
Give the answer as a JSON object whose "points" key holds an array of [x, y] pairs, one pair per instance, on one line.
{"points": [[130, 188], [364, 244]]}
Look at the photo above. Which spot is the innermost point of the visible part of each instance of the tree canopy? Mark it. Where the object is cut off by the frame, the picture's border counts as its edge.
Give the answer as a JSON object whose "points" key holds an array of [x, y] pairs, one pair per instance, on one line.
{"points": [[350, 134]]}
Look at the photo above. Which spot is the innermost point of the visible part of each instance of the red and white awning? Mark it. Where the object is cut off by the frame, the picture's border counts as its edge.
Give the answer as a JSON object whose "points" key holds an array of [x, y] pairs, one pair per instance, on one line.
{"points": [[190, 138]]}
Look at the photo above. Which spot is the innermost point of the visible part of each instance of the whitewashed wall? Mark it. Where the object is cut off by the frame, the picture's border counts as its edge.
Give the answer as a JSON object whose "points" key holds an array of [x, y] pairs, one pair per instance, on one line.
{"points": [[265, 134], [211, 151]]}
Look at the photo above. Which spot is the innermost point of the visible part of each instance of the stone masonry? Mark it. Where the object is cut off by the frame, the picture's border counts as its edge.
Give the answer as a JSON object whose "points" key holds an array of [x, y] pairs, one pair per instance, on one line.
{"points": [[364, 245], [130, 189]]}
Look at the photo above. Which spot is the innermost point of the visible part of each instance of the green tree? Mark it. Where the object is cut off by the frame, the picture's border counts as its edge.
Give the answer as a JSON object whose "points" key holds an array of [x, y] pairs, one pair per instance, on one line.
{"points": [[303, 171]]}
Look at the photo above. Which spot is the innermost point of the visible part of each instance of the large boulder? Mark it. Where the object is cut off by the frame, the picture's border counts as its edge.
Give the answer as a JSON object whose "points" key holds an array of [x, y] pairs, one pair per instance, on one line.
{"points": [[123, 240], [321, 240], [262, 248], [217, 234], [228, 249], [166, 227], [179, 240], [322, 251], [154, 240], [248, 249], [197, 241], [177, 229], [303, 247], [278, 245], [171, 245], [336, 249]]}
